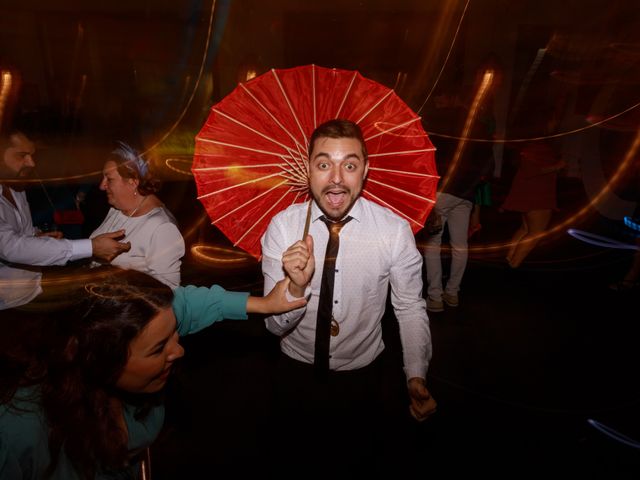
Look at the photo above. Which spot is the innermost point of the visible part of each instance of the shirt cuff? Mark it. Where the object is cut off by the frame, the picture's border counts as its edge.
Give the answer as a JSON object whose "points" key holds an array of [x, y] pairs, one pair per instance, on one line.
{"points": [[234, 305], [81, 249], [291, 298], [416, 371]]}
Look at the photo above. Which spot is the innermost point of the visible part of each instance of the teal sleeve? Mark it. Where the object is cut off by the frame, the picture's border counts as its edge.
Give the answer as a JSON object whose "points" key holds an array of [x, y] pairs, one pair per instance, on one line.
{"points": [[198, 307], [9, 466]]}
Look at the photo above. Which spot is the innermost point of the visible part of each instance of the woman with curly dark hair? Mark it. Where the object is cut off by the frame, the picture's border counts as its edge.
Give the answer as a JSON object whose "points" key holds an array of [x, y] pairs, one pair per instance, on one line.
{"points": [[84, 401]]}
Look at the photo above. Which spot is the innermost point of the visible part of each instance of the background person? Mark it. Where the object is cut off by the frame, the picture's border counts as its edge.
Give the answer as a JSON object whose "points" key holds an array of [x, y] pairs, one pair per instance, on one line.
{"points": [[19, 241], [156, 243], [85, 400], [344, 398], [533, 194]]}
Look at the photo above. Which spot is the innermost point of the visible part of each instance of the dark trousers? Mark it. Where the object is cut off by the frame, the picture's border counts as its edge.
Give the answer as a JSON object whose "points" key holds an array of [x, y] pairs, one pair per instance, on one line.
{"points": [[344, 420]]}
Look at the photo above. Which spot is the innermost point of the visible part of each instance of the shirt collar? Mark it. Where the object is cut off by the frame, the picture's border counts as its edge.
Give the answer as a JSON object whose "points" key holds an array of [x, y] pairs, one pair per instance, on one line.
{"points": [[355, 212]]}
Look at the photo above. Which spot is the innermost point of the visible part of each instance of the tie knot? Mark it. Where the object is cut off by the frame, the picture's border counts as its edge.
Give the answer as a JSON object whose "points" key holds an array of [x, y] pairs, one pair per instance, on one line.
{"points": [[335, 227]]}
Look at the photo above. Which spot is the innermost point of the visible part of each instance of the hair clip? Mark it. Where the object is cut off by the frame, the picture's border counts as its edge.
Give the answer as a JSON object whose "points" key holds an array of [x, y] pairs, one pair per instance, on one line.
{"points": [[131, 156]]}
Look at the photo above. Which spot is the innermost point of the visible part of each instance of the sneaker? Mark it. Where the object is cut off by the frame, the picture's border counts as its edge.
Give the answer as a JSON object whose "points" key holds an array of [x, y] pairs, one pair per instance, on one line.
{"points": [[434, 305], [451, 300]]}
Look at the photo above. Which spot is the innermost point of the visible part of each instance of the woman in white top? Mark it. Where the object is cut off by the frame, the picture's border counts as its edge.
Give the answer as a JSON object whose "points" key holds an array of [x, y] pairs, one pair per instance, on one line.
{"points": [[156, 243]]}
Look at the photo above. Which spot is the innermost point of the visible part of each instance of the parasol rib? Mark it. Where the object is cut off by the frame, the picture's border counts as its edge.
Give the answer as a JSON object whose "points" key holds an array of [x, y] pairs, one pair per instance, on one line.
{"points": [[249, 201], [295, 199], [227, 167], [382, 202], [248, 182], [346, 94], [284, 94], [386, 154], [375, 106], [241, 147], [313, 96], [395, 128], [296, 181], [295, 168], [295, 140], [417, 174], [400, 190], [299, 162], [261, 217], [244, 125]]}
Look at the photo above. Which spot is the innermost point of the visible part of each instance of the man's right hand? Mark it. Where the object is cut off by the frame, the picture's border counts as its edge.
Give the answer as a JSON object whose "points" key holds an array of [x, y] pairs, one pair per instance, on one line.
{"points": [[106, 246], [299, 264]]}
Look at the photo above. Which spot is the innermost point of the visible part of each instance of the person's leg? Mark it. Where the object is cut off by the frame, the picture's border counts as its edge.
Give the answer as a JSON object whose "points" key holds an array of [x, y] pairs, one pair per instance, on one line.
{"points": [[458, 221], [517, 236], [300, 424], [474, 220], [537, 222], [432, 259]]}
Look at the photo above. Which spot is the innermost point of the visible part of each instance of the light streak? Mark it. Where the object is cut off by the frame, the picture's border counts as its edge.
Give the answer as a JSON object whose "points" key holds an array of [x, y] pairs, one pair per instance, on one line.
{"points": [[485, 84], [221, 257], [628, 221], [534, 139], [169, 161], [455, 36], [573, 219], [195, 87], [600, 241], [614, 434], [5, 90]]}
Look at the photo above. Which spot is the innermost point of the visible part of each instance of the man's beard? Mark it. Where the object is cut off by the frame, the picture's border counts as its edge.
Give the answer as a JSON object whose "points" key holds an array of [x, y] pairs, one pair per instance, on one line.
{"points": [[16, 183]]}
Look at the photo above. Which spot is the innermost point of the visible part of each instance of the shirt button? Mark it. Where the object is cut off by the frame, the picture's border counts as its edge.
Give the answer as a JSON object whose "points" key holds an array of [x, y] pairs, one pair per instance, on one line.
{"points": [[337, 270], [335, 301]]}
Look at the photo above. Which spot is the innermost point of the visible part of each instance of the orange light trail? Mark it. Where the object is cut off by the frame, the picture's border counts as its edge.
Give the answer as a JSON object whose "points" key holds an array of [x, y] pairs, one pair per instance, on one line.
{"points": [[573, 219], [5, 89], [533, 139], [485, 84], [169, 161], [221, 257]]}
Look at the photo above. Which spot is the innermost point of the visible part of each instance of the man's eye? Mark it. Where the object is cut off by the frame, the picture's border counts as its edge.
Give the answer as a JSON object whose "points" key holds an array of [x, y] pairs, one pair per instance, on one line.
{"points": [[350, 167], [323, 166]]}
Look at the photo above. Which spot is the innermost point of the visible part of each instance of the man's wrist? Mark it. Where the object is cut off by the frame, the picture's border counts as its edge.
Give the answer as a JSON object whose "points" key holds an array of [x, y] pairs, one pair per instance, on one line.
{"points": [[296, 291]]}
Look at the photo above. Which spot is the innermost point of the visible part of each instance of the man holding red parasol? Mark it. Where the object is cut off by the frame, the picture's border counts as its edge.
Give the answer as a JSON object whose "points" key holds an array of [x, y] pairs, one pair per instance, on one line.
{"points": [[376, 248]]}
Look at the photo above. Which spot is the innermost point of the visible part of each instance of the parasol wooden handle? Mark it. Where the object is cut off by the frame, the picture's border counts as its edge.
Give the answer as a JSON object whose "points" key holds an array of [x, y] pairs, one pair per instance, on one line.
{"points": [[307, 222]]}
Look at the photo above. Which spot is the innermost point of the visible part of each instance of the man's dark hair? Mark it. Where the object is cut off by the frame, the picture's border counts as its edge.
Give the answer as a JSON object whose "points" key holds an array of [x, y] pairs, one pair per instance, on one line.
{"points": [[5, 138], [338, 128]]}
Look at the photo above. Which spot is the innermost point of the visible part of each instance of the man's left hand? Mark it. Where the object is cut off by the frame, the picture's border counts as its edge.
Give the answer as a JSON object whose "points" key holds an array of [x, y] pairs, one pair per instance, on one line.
{"points": [[423, 404]]}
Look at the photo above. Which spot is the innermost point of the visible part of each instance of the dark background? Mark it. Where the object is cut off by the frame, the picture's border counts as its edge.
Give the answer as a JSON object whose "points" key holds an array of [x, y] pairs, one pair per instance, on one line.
{"points": [[529, 356]]}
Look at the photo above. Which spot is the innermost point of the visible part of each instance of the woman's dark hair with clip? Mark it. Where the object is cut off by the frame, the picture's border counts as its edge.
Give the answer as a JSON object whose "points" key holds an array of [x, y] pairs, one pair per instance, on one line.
{"points": [[86, 354], [130, 164]]}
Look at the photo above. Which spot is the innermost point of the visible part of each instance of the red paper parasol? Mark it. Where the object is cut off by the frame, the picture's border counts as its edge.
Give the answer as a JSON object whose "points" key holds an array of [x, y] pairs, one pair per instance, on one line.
{"points": [[251, 159]]}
